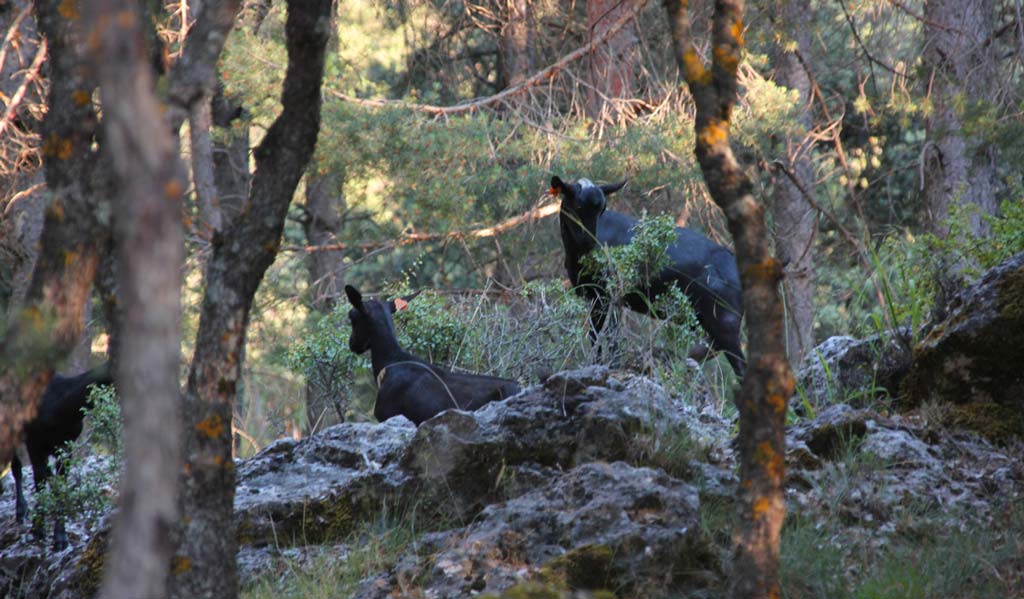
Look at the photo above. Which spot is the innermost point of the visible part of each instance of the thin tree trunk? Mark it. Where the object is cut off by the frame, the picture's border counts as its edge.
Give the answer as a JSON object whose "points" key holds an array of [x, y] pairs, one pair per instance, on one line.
{"points": [[150, 252], [514, 51], [794, 218], [205, 564], [200, 120], [50, 324], [960, 66], [768, 383], [611, 71]]}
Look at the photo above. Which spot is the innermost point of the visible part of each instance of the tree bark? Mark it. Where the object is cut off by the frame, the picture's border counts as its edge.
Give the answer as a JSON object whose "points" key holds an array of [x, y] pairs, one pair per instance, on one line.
{"points": [[200, 120], [205, 564], [768, 383], [611, 65], [514, 51], [793, 217], [50, 324], [961, 67], [149, 186]]}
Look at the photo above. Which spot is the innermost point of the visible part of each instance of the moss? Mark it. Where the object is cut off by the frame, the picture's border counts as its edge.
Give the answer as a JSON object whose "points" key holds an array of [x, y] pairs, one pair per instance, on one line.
{"points": [[90, 564], [1011, 296], [587, 567], [999, 424]]}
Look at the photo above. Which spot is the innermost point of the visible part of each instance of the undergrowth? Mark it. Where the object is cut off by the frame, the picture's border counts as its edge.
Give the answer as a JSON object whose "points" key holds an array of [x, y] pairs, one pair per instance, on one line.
{"points": [[87, 487]]}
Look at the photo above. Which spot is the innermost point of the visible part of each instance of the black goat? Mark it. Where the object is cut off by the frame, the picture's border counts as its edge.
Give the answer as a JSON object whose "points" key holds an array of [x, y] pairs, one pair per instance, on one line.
{"points": [[58, 421], [705, 271], [408, 385]]}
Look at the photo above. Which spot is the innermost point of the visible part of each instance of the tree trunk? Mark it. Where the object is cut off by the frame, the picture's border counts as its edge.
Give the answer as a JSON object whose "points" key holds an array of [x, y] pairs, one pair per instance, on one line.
{"points": [[230, 157], [793, 217], [514, 51], [205, 564], [324, 205], [49, 326], [768, 383], [147, 206], [611, 71], [960, 66], [200, 120]]}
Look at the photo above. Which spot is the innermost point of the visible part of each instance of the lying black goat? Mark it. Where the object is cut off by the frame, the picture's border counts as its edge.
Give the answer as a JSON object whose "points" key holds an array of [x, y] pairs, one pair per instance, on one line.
{"points": [[58, 421], [705, 271], [408, 385]]}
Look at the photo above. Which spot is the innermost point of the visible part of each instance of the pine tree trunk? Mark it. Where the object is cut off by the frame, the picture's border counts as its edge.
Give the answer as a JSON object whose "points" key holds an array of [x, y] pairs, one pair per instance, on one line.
{"points": [[793, 217], [960, 67], [611, 71]]}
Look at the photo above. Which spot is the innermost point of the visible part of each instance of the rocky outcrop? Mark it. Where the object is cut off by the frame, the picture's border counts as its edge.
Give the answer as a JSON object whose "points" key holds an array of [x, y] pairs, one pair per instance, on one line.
{"points": [[852, 371], [974, 357], [598, 526], [594, 484]]}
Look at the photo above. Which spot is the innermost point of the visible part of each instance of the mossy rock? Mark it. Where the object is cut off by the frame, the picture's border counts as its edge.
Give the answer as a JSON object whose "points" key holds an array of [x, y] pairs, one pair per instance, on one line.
{"points": [[586, 567], [1000, 424], [975, 355], [89, 568]]}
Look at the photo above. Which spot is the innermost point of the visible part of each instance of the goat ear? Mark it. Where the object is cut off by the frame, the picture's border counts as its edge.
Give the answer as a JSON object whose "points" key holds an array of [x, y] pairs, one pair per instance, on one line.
{"points": [[401, 303], [354, 297], [556, 186], [613, 187]]}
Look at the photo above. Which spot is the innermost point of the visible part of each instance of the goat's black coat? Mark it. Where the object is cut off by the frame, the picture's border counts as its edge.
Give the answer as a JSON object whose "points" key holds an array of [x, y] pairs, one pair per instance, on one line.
{"points": [[409, 385], [58, 421], [705, 271]]}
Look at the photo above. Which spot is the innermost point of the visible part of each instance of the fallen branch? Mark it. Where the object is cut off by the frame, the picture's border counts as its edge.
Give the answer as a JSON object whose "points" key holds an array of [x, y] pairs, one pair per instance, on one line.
{"points": [[410, 238], [532, 81]]}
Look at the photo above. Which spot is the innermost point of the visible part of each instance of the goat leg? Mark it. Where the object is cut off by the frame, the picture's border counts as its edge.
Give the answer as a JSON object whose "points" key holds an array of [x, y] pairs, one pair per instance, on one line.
{"points": [[20, 505]]}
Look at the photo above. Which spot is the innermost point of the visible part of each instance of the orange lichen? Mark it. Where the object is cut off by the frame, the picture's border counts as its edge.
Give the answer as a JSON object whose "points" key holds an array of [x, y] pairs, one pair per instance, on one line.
{"points": [[68, 9], [80, 97], [173, 189], [180, 564], [57, 147], [727, 57], [772, 461], [69, 258], [761, 506], [211, 426], [715, 132], [765, 270], [776, 402], [694, 70], [736, 31]]}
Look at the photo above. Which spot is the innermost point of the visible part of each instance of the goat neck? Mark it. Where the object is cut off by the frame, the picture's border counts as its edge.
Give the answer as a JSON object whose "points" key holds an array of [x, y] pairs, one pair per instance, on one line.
{"points": [[384, 347]]}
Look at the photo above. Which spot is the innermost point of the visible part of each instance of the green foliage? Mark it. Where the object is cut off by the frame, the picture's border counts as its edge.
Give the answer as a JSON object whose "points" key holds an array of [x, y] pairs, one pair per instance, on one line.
{"points": [[629, 268], [87, 487]]}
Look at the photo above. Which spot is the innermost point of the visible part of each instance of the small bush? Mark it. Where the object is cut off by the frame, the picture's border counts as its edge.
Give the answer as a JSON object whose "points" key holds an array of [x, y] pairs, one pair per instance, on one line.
{"points": [[87, 488]]}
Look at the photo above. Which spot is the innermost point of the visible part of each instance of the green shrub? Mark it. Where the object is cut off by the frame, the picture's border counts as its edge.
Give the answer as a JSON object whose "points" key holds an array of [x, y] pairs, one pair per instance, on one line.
{"points": [[87, 489]]}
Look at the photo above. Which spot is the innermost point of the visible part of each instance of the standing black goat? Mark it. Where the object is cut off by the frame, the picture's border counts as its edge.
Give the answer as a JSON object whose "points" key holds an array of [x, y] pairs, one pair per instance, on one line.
{"points": [[408, 385], [705, 271], [58, 421]]}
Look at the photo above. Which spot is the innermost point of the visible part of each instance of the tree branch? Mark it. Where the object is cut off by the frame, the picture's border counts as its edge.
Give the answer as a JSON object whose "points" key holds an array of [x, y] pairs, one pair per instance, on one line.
{"points": [[514, 90]]}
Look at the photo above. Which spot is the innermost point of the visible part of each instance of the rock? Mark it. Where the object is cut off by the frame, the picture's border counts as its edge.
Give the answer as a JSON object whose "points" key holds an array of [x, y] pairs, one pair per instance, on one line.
{"points": [[322, 487], [852, 371], [597, 526], [466, 460], [974, 356]]}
